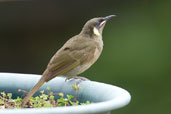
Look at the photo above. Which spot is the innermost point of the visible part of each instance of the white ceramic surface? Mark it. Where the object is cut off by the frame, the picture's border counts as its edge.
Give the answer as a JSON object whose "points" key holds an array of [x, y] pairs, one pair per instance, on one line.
{"points": [[105, 97]]}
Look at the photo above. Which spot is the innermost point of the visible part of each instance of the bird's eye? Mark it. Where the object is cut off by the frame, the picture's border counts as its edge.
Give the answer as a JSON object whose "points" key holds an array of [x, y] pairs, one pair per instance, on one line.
{"points": [[101, 20], [97, 23]]}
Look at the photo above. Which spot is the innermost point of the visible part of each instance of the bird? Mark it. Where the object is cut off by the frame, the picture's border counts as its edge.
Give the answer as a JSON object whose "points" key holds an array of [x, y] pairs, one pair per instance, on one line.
{"points": [[78, 54]]}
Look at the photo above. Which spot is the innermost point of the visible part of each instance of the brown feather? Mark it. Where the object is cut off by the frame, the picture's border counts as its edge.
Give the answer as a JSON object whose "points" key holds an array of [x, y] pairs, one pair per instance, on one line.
{"points": [[34, 89], [77, 55]]}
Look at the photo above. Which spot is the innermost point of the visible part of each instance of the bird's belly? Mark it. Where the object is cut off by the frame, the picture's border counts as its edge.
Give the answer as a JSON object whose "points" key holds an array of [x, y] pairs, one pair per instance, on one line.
{"points": [[81, 68], [78, 70]]}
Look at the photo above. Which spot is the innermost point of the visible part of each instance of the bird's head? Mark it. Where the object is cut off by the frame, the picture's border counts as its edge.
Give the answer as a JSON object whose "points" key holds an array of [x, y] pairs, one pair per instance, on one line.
{"points": [[94, 27]]}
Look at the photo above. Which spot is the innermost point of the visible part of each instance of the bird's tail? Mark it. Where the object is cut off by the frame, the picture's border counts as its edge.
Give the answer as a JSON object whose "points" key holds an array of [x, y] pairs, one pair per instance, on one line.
{"points": [[34, 89]]}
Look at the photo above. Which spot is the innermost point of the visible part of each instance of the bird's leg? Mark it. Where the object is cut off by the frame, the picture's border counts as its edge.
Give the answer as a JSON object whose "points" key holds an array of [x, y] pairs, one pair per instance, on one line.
{"points": [[77, 77]]}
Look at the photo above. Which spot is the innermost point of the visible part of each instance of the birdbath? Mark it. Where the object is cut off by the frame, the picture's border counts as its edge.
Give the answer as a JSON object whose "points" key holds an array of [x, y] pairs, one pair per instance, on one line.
{"points": [[105, 97]]}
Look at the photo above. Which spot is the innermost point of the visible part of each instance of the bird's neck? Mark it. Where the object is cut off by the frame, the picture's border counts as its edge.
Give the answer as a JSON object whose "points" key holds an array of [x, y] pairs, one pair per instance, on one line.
{"points": [[90, 35]]}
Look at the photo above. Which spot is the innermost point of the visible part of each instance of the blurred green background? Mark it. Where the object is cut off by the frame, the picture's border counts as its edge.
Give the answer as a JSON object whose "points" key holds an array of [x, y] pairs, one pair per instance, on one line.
{"points": [[136, 53]]}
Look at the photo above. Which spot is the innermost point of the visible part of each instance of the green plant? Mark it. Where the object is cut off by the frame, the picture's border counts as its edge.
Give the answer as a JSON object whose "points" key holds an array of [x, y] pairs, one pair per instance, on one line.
{"points": [[45, 99]]}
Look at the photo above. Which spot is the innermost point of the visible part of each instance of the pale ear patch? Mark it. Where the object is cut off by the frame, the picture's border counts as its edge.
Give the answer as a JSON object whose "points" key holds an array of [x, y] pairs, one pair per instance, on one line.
{"points": [[96, 31]]}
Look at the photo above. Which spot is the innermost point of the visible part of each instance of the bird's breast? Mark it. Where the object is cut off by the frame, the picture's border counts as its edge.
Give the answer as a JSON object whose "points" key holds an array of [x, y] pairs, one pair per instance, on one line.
{"points": [[81, 68]]}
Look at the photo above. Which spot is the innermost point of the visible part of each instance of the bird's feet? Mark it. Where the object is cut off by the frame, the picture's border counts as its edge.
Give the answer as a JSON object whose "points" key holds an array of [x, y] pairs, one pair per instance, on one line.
{"points": [[76, 77]]}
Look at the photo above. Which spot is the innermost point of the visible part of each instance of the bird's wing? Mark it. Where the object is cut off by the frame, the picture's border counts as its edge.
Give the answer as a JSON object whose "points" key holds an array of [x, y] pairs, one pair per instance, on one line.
{"points": [[67, 59]]}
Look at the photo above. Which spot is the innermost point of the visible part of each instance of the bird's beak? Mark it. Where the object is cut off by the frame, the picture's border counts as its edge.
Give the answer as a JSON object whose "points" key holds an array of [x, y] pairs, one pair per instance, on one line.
{"points": [[108, 17], [105, 19]]}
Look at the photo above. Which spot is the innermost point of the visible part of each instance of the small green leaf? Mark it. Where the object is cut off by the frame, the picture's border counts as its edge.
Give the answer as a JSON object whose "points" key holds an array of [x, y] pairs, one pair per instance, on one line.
{"points": [[76, 87], [48, 104], [70, 97], [48, 88], [61, 94], [60, 100], [3, 94], [87, 102], [51, 93], [52, 97], [42, 91], [37, 98], [9, 95], [1, 101]]}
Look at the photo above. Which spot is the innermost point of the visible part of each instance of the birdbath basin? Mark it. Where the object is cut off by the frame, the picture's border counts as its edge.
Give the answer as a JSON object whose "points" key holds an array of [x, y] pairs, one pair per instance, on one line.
{"points": [[105, 97]]}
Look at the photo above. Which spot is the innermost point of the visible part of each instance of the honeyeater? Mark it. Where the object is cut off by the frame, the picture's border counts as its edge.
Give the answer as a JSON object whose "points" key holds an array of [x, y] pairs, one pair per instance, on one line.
{"points": [[76, 55]]}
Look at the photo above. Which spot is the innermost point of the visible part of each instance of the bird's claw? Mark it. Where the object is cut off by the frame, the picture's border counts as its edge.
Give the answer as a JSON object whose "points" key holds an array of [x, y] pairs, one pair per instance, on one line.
{"points": [[77, 77]]}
